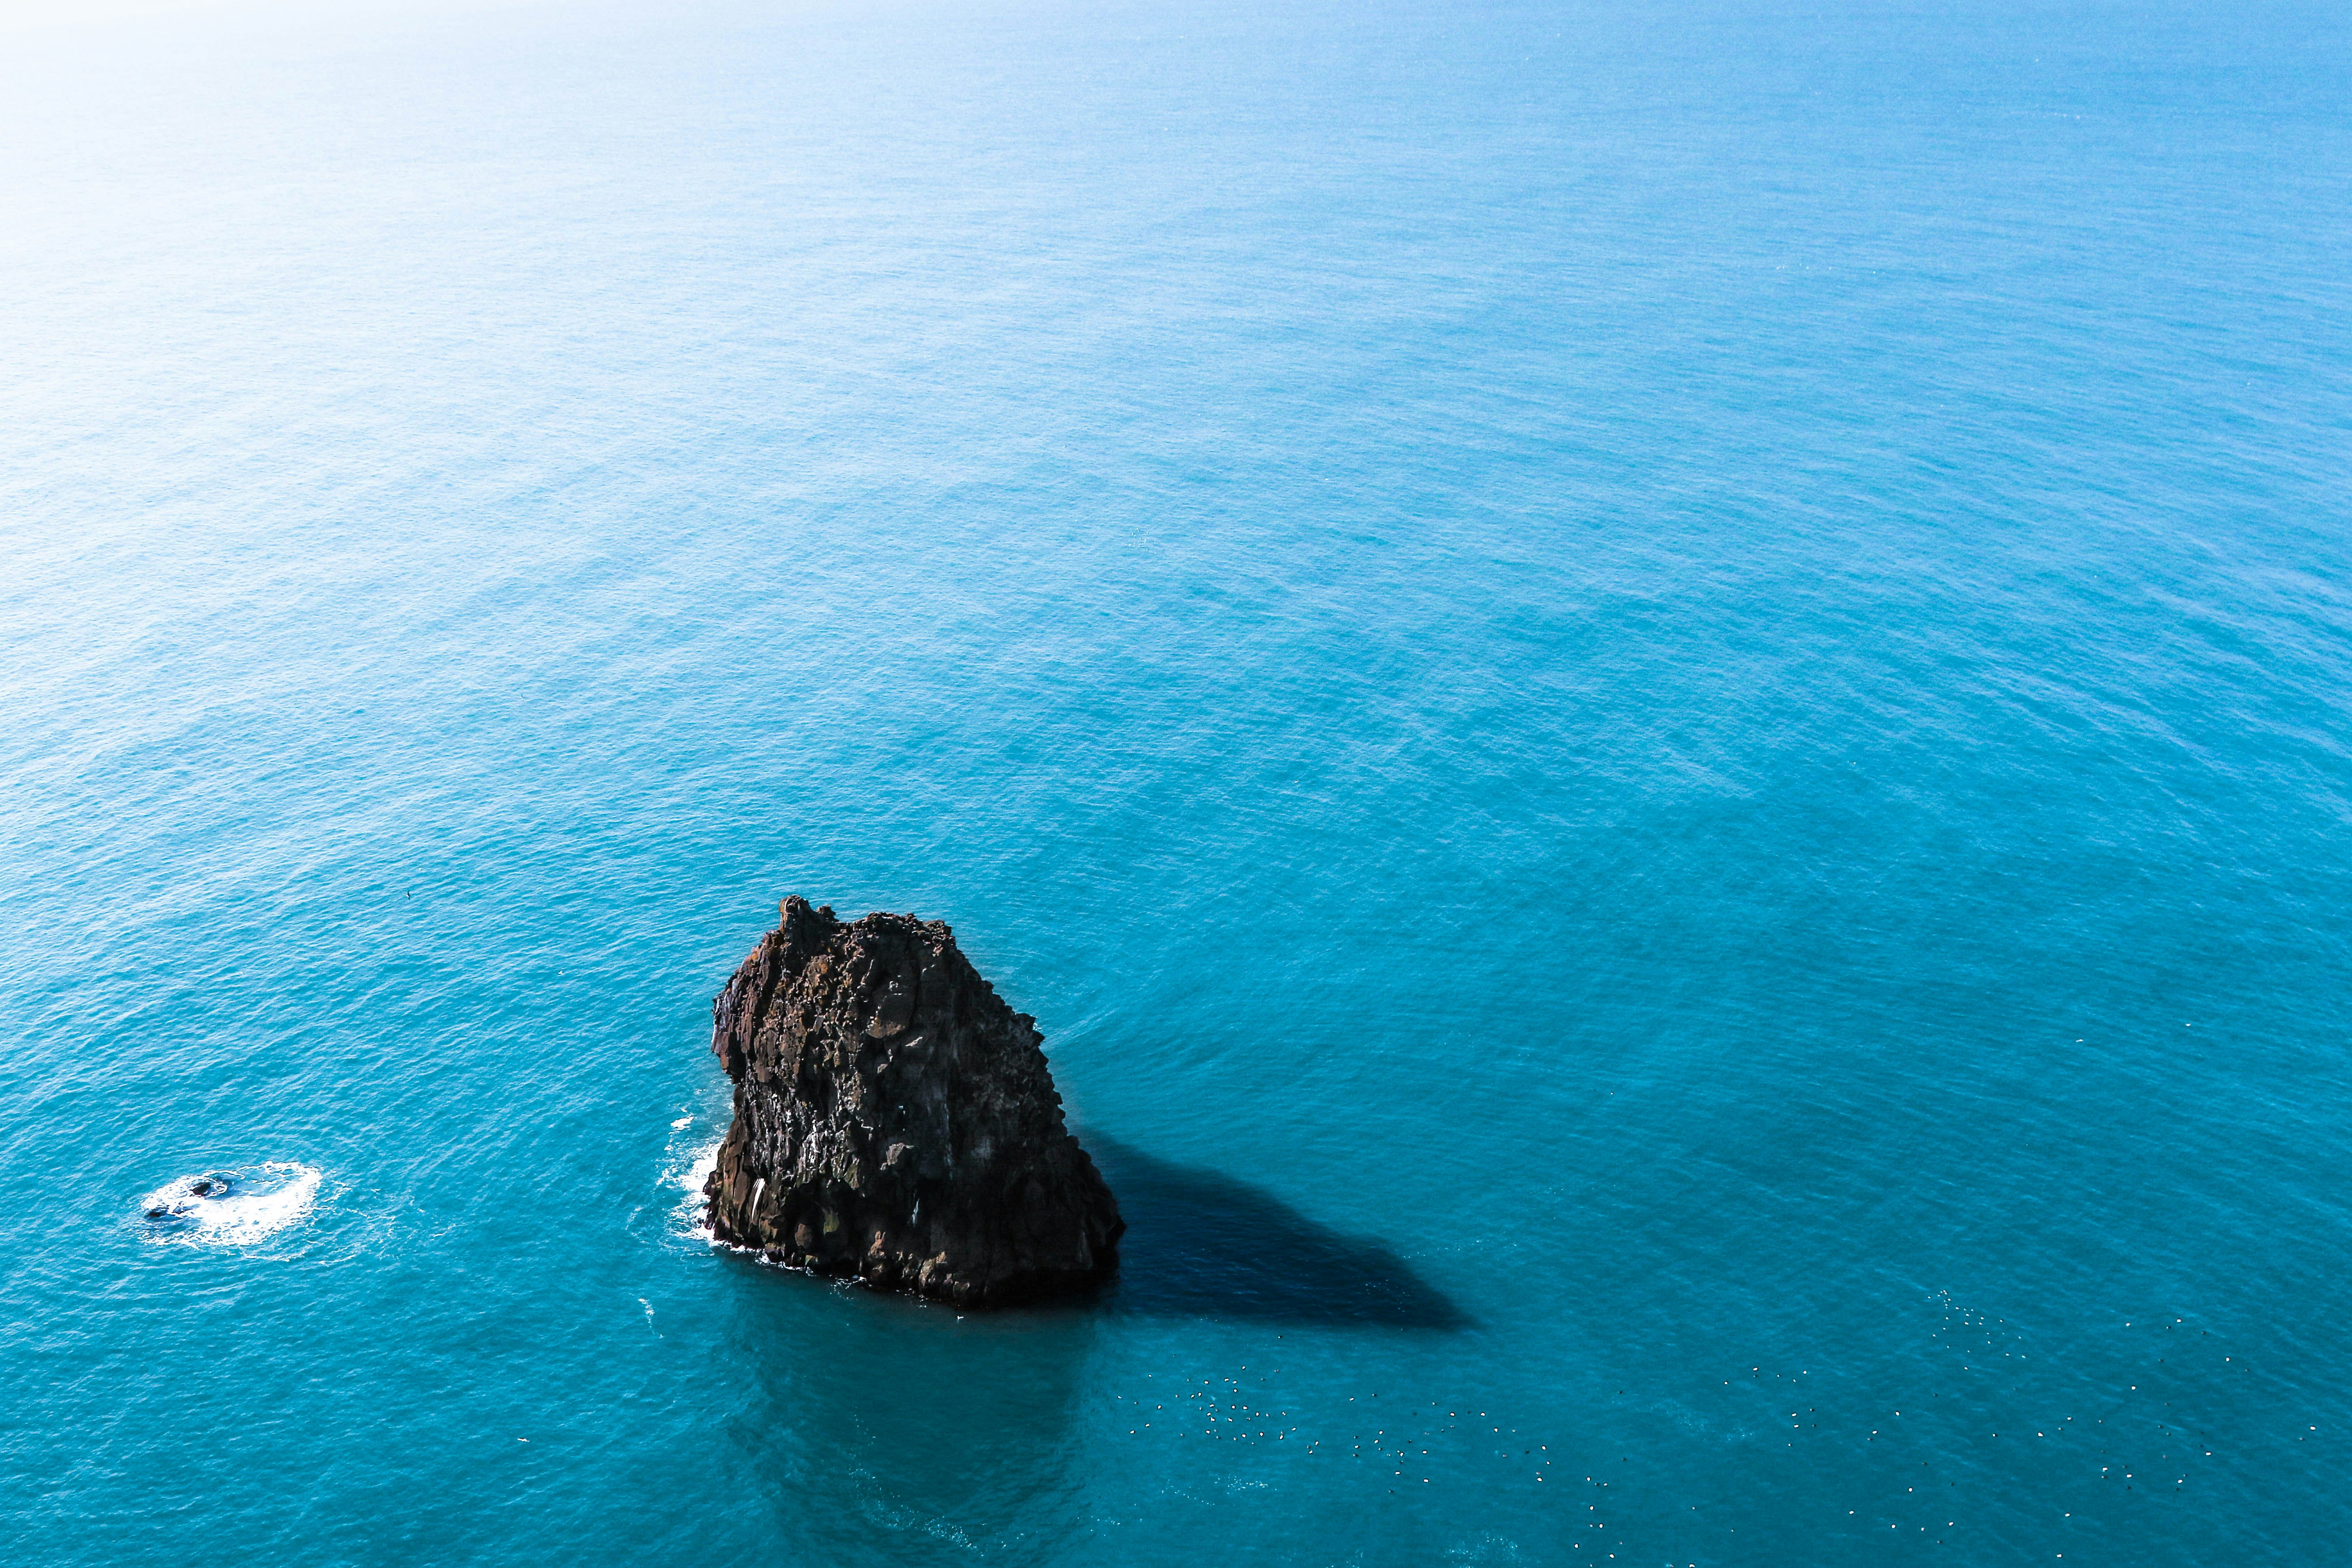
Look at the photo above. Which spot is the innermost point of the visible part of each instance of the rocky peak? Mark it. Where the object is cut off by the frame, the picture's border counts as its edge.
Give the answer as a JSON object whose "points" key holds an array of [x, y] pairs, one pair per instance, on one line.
{"points": [[894, 1119]]}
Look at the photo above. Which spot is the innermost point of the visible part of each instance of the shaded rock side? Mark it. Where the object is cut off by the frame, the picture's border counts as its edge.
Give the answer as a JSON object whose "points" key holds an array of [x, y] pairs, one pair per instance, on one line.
{"points": [[894, 1119]]}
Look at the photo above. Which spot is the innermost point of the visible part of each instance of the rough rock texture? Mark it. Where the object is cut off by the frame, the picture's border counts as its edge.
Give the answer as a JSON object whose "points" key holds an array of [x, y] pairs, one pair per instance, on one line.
{"points": [[894, 1119]]}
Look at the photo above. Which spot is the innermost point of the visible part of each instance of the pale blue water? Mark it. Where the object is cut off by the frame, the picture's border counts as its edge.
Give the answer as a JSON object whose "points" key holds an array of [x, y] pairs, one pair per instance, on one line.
{"points": [[1652, 699]]}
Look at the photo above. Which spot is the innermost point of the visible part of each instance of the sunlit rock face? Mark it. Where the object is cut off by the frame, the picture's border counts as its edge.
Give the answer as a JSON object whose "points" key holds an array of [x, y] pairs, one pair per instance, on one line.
{"points": [[895, 1121]]}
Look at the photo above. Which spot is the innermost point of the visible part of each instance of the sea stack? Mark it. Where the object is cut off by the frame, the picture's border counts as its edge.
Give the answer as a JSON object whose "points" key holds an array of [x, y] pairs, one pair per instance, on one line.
{"points": [[895, 1121]]}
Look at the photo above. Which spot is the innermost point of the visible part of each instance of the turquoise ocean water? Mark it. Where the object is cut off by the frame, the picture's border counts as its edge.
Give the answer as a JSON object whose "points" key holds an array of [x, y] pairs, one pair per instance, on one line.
{"points": [[1651, 697]]}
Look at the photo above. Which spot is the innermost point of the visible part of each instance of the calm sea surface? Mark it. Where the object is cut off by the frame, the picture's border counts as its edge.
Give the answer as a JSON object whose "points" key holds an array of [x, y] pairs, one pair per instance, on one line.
{"points": [[1654, 699]]}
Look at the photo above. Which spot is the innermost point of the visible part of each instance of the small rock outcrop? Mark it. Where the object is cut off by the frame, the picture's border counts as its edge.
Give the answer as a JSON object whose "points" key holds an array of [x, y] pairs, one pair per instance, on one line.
{"points": [[895, 1121]]}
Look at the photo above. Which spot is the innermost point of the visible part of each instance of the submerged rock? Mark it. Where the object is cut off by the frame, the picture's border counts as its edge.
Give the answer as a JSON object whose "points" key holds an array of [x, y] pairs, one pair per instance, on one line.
{"points": [[894, 1119]]}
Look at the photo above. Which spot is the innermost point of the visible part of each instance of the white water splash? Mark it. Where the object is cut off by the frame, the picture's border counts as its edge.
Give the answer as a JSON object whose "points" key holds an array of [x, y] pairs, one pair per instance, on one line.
{"points": [[231, 1208], [691, 1216]]}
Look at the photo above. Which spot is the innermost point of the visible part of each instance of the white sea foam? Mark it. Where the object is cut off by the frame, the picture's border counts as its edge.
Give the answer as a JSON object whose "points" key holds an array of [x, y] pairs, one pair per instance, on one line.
{"points": [[233, 1208], [692, 1215]]}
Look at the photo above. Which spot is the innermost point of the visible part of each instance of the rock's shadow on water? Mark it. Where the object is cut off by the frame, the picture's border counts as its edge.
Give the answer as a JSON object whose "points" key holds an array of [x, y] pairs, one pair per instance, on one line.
{"points": [[1201, 1244]]}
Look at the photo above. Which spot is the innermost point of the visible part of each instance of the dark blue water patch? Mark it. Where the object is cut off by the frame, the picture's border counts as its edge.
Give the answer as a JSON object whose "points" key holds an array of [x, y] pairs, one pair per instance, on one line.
{"points": [[1201, 1243]]}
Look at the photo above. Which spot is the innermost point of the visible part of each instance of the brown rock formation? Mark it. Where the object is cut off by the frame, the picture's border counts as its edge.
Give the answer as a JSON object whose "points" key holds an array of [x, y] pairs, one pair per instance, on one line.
{"points": [[894, 1119]]}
